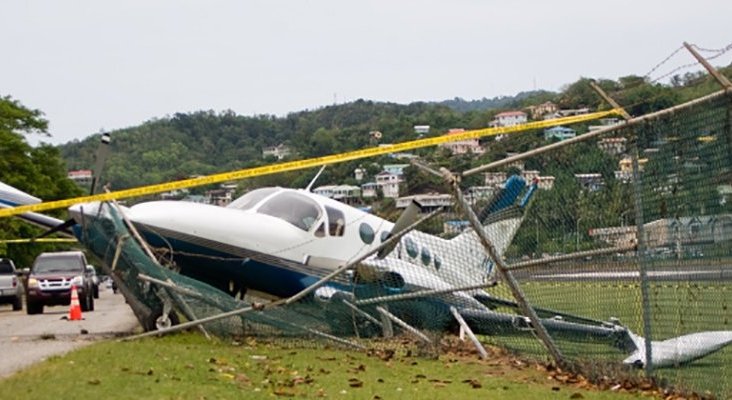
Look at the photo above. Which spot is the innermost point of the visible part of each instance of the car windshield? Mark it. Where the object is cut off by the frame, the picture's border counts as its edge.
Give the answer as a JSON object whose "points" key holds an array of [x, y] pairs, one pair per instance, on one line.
{"points": [[6, 267], [293, 208], [251, 199], [58, 264]]}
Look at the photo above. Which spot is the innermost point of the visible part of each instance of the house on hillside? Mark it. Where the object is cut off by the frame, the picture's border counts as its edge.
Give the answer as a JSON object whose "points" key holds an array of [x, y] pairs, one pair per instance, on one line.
{"points": [[369, 190], [389, 183], [468, 146], [559, 133], [625, 174], [605, 123], [396, 169], [592, 182], [279, 152], [82, 177], [613, 145], [344, 193], [494, 179], [429, 202], [542, 109], [510, 118], [567, 113], [546, 182]]}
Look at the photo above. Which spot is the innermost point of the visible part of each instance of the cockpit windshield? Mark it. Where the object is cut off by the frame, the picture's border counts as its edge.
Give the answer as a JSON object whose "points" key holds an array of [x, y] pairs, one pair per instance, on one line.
{"points": [[251, 199], [293, 208]]}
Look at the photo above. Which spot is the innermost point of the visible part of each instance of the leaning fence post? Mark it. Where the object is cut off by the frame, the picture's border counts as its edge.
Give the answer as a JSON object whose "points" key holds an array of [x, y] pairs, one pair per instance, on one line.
{"points": [[506, 275]]}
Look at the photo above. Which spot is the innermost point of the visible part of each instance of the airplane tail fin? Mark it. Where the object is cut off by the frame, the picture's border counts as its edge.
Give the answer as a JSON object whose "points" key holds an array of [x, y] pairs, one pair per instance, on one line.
{"points": [[501, 219]]}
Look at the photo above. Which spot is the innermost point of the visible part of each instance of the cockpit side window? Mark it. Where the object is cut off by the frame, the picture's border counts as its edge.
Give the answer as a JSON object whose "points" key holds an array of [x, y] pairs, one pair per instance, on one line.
{"points": [[293, 208], [251, 199], [336, 221]]}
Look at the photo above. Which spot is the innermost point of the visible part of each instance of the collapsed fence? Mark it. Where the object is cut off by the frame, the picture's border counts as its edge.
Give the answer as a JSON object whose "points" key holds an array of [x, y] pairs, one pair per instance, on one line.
{"points": [[620, 251]]}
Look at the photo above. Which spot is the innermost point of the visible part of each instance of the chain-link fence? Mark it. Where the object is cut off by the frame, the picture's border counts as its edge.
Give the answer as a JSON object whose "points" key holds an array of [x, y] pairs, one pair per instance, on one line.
{"points": [[594, 251]]}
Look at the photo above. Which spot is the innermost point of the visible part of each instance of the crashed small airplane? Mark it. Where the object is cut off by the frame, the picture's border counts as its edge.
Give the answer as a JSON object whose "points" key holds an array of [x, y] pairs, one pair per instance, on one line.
{"points": [[276, 242]]}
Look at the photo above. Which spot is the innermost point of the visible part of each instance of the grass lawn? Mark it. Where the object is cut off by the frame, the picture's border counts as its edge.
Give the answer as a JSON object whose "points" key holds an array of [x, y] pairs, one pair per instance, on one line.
{"points": [[677, 308], [187, 366]]}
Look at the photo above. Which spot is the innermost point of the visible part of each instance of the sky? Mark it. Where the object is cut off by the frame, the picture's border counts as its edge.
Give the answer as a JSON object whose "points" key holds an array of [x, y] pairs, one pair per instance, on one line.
{"points": [[106, 65]]}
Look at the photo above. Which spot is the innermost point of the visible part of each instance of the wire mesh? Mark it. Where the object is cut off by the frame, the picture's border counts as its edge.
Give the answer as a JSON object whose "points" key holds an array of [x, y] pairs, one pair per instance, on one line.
{"points": [[565, 222]]}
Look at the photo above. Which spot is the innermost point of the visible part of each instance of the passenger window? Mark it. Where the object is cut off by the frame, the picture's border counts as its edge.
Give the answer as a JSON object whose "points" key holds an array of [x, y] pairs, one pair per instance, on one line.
{"points": [[411, 247], [367, 233], [336, 221], [426, 256]]}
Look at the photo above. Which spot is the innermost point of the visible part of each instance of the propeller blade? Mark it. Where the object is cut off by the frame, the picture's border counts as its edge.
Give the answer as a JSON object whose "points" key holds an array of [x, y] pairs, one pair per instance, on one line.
{"points": [[101, 159], [408, 217], [63, 228]]}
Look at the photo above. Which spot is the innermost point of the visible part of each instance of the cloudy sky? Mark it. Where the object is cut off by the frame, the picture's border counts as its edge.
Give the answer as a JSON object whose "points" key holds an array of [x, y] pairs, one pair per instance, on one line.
{"points": [[91, 65]]}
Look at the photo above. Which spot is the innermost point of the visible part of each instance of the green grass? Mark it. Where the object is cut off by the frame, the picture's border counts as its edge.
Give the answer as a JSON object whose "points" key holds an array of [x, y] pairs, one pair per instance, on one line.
{"points": [[188, 366], [677, 308]]}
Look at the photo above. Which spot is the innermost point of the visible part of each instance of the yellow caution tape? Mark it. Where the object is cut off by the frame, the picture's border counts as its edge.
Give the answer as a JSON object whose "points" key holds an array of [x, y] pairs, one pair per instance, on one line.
{"points": [[302, 164], [40, 240]]}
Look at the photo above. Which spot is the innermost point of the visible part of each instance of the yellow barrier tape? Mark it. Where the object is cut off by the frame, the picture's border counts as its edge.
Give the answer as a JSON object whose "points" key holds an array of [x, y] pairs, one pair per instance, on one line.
{"points": [[302, 164], [40, 240]]}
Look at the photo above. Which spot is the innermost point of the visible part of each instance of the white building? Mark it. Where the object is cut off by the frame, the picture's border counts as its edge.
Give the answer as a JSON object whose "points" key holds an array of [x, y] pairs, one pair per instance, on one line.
{"points": [[389, 183], [604, 123], [81, 177], [429, 202], [613, 146], [591, 182], [358, 173], [529, 175], [510, 118], [494, 179], [546, 182], [279, 152], [344, 193], [396, 169], [368, 190]]}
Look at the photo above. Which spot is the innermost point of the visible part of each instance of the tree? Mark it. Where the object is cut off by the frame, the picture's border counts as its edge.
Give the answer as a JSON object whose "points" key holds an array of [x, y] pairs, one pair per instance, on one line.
{"points": [[40, 171]]}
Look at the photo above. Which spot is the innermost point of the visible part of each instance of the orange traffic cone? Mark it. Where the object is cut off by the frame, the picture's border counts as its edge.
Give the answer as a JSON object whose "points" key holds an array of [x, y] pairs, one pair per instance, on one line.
{"points": [[75, 309]]}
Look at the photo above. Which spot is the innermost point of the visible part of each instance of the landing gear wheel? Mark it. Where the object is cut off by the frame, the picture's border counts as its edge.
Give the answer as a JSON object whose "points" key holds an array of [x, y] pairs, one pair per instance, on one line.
{"points": [[163, 322], [159, 321]]}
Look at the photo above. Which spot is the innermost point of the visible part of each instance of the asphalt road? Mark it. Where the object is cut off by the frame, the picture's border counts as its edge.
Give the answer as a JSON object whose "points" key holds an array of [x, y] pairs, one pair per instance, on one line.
{"points": [[26, 339]]}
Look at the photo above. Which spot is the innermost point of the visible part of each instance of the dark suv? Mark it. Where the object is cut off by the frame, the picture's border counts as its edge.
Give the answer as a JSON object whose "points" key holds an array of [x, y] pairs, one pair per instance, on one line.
{"points": [[51, 278], [10, 287]]}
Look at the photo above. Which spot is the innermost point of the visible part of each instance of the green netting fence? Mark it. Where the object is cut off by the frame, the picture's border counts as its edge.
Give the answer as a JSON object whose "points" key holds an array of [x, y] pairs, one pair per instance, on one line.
{"points": [[626, 231]]}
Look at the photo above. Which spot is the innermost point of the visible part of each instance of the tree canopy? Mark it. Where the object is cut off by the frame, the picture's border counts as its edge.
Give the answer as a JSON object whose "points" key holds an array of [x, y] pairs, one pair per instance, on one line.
{"points": [[39, 171]]}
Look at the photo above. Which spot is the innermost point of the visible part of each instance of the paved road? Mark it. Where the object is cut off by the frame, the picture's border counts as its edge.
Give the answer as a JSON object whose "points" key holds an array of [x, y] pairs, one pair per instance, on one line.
{"points": [[26, 339]]}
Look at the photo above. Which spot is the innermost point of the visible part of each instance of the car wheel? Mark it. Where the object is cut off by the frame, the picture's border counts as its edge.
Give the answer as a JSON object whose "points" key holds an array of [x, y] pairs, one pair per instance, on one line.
{"points": [[18, 304], [84, 302], [91, 303], [33, 308], [96, 292]]}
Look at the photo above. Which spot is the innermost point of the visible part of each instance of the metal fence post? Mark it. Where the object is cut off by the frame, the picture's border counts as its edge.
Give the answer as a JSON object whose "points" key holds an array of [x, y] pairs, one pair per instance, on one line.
{"points": [[526, 308], [642, 259]]}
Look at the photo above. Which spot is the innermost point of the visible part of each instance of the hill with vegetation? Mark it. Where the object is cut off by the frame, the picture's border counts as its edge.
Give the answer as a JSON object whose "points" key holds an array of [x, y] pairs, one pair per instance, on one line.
{"points": [[204, 142]]}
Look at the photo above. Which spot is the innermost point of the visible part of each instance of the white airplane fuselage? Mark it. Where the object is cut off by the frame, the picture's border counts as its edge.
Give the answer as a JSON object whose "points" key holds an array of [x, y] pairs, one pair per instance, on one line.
{"points": [[258, 248]]}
